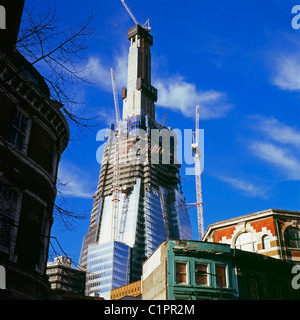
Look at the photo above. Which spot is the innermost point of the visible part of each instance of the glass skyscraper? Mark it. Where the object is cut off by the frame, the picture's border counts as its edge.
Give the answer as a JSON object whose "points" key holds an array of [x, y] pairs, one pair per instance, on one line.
{"points": [[149, 207]]}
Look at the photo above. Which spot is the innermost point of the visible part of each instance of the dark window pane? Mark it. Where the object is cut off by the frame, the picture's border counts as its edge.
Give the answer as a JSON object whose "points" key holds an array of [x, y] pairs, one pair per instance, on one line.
{"points": [[292, 238], [181, 276], [221, 270], [4, 233], [201, 276]]}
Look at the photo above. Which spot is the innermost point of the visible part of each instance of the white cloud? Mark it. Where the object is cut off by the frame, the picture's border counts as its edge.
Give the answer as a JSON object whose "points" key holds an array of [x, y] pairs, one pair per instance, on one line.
{"points": [[277, 131], [74, 181], [280, 157], [248, 188], [278, 145], [99, 73], [183, 96], [173, 92], [287, 73], [121, 68]]}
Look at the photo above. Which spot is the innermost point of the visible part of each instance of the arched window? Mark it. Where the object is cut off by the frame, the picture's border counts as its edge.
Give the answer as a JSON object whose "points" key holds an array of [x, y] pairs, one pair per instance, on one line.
{"points": [[244, 242], [266, 242], [292, 238]]}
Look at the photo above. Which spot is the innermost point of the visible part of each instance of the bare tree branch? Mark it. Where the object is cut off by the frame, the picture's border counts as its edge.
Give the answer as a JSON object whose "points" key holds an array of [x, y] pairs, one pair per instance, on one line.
{"points": [[43, 43], [60, 52]]}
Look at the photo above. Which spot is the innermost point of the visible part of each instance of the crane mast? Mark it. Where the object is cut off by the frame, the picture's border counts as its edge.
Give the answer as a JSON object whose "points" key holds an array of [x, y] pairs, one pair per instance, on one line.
{"points": [[116, 174], [115, 93], [197, 156], [164, 119]]}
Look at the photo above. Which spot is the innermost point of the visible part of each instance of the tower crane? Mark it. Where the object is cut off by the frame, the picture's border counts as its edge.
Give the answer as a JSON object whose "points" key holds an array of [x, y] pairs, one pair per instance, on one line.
{"points": [[197, 156], [164, 119], [115, 93], [116, 182], [146, 25]]}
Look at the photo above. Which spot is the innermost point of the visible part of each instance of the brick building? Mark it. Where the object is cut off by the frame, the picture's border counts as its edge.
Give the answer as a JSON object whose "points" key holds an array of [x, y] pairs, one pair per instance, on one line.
{"points": [[33, 135], [275, 233]]}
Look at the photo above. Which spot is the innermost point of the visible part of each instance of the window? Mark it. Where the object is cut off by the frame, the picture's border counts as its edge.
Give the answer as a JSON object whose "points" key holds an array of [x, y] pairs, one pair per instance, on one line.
{"points": [[8, 200], [4, 233], [8, 206], [54, 162], [221, 271], [292, 238], [201, 274], [252, 289], [266, 242], [181, 272], [244, 242], [18, 132]]}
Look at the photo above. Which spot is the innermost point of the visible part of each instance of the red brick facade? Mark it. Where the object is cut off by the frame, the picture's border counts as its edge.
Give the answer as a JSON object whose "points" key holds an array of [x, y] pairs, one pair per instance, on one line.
{"points": [[226, 232], [268, 223], [262, 232]]}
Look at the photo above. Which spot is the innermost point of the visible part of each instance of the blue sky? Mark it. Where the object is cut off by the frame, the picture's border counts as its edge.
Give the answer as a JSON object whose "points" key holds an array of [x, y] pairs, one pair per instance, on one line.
{"points": [[237, 59]]}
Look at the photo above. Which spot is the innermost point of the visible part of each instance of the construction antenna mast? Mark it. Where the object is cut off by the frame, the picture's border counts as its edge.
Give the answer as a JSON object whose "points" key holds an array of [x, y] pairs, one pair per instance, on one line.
{"points": [[146, 25], [116, 182], [197, 156], [115, 92]]}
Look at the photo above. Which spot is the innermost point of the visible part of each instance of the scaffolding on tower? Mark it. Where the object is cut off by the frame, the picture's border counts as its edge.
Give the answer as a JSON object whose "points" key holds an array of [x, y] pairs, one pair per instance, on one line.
{"points": [[163, 205]]}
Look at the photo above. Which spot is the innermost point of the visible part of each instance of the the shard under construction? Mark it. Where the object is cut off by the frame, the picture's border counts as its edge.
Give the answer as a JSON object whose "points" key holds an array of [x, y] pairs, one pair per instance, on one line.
{"points": [[139, 201]]}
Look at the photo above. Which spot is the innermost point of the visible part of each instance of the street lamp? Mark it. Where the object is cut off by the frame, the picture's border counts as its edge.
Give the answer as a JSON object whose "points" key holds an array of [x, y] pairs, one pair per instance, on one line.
{"points": [[215, 275]]}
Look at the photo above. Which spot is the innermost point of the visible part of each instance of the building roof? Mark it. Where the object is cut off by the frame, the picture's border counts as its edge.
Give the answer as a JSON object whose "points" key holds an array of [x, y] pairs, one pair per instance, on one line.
{"points": [[251, 216]]}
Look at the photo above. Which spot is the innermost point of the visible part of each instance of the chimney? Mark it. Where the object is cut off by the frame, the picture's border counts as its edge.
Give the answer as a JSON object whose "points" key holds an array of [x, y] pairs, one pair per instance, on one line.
{"points": [[11, 11]]}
